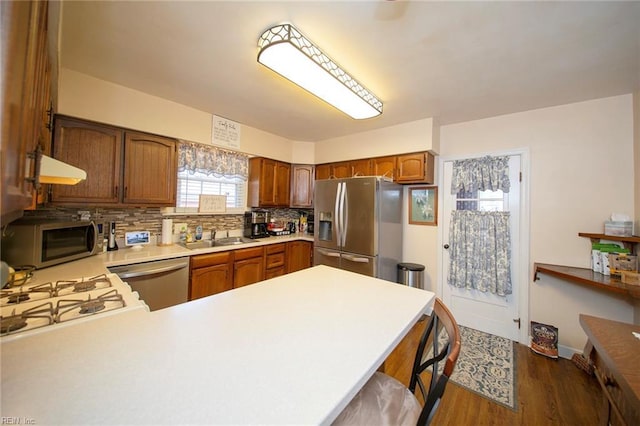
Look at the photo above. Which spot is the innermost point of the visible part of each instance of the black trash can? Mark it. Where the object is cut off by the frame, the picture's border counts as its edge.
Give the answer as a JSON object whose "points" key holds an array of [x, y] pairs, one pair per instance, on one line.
{"points": [[411, 274]]}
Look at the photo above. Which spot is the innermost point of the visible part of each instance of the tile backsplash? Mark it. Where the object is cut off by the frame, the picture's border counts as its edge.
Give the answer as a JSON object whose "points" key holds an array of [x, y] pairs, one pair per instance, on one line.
{"points": [[150, 219]]}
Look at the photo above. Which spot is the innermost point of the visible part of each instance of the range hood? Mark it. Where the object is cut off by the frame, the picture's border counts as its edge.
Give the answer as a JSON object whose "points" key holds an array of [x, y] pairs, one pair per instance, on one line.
{"points": [[57, 172]]}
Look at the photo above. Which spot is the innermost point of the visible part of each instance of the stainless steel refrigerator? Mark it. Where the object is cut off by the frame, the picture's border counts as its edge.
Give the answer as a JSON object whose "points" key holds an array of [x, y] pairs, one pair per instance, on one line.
{"points": [[358, 225]]}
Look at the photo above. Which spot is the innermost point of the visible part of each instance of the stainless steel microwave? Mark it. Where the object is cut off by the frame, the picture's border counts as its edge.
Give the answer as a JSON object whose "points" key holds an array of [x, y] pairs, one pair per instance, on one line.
{"points": [[48, 243]]}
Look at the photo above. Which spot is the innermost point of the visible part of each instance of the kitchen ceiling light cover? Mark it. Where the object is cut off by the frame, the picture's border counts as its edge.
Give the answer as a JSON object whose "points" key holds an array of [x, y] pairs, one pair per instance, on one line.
{"points": [[289, 53]]}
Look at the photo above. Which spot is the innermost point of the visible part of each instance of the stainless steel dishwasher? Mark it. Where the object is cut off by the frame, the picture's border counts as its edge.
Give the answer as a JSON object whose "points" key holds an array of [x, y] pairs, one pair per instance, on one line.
{"points": [[160, 283]]}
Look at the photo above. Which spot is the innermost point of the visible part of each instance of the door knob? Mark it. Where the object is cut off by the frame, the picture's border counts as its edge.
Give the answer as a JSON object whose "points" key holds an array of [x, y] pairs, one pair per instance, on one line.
{"points": [[446, 246]]}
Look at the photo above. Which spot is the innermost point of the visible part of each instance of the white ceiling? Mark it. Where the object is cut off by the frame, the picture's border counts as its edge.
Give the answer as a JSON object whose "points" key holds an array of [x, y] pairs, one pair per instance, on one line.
{"points": [[456, 61]]}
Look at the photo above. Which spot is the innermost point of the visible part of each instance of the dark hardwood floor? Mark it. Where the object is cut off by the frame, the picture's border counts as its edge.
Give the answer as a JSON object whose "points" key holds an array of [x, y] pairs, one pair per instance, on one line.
{"points": [[548, 391]]}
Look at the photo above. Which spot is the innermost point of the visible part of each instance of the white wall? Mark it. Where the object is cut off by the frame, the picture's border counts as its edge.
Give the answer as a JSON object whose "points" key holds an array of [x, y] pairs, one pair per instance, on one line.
{"points": [[87, 97], [415, 136], [581, 170]]}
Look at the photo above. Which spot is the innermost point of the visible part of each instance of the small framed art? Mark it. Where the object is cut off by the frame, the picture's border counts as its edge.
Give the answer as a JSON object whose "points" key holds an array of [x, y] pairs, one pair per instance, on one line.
{"points": [[423, 205]]}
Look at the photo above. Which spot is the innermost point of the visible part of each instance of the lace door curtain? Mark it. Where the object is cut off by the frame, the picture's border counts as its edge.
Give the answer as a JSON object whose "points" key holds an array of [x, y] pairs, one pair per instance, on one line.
{"points": [[480, 241]]}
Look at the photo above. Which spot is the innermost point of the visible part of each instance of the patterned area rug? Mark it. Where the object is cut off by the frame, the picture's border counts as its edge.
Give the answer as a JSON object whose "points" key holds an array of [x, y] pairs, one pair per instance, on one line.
{"points": [[486, 366]]}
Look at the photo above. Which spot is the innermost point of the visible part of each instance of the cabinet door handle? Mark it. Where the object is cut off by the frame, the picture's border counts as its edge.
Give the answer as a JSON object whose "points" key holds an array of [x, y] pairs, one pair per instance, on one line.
{"points": [[125, 190], [115, 191]]}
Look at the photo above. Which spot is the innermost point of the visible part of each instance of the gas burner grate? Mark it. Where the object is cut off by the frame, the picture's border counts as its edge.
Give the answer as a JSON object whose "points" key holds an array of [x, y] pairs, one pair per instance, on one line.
{"points": [[66, 308], [15, 322], [9, 297], [83, 285]]}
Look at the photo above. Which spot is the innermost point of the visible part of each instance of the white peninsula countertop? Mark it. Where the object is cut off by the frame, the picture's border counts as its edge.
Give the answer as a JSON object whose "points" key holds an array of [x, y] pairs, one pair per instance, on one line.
{"points": [[290, 350]]}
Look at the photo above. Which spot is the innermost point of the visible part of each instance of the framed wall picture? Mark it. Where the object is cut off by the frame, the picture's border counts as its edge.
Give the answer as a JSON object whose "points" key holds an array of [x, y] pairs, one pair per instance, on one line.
{"points": [[423, 205]]}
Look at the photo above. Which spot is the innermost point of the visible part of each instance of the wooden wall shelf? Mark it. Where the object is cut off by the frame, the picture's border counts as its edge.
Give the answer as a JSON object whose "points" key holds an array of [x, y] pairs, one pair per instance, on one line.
{"points": [[588, 278]]}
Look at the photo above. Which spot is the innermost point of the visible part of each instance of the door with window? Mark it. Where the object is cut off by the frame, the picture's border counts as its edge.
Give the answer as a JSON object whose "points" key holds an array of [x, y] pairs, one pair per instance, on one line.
{"points": [[484, 310]]}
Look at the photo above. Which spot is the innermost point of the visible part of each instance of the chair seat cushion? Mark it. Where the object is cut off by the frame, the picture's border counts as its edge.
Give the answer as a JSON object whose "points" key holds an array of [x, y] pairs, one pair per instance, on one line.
{"points": [[382, 401]]}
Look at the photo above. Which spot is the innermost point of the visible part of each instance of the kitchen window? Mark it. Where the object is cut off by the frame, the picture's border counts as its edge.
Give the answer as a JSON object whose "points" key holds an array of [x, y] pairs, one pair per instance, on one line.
{"points": [[208, 170]]}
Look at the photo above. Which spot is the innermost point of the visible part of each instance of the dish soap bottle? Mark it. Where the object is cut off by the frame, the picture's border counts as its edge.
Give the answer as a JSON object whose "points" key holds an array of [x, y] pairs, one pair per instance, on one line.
{"points": [[198, 232]]}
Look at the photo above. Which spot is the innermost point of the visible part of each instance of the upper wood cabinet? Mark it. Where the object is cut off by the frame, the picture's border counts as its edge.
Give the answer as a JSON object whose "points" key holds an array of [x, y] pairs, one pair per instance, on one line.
{"points": [[415, 168], [360, 167], [384, 166], [95, 148], [341, 170], [302, 178], [123, 167], [268, 183], [404, 168], [150, 169], [323, 171], [25, 93]]}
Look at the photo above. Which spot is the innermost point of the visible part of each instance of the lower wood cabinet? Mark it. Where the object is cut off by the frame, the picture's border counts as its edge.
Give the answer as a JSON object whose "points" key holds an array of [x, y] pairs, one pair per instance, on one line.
{"points": [[210, 274], [214, 273], [299, 255], [248, 266]]}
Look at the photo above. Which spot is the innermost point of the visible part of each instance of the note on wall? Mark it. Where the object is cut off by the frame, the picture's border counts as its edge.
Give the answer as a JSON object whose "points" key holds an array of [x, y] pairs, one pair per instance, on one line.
{"points": [[212, 204], [225, 132]]}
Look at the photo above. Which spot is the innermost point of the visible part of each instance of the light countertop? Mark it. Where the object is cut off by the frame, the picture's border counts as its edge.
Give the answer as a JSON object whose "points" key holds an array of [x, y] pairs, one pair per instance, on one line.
{"points": [[290, 350], [98, 264]]}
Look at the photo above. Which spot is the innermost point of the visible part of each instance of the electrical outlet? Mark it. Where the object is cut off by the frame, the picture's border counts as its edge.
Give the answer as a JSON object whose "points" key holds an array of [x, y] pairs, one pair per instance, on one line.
{"points": [[178, 226]]}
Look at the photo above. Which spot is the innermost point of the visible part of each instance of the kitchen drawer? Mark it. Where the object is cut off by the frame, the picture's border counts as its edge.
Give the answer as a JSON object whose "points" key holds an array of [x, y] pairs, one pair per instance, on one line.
{"points": [[276, 248], [275, 260], [210, 259], [248, 253], [274, 272]]}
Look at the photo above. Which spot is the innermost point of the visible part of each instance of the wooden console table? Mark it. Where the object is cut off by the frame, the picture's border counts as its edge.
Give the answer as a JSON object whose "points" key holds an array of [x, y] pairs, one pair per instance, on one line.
{"points": [[615, 353]]}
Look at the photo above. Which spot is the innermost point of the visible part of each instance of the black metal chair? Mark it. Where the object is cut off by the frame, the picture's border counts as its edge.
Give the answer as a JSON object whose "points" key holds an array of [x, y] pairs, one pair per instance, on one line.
{"points": [[383, 400]]}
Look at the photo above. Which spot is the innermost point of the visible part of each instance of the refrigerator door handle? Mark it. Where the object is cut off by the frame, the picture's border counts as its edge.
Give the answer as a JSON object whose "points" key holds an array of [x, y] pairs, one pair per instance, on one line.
{"points": [[340, 214], [345, 216], [336, 218], [330, 253], [356, 259]]}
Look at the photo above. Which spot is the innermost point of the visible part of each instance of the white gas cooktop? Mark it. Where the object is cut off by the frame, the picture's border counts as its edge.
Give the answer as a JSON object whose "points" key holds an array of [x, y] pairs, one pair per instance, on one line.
{"points": [[33, 308]]}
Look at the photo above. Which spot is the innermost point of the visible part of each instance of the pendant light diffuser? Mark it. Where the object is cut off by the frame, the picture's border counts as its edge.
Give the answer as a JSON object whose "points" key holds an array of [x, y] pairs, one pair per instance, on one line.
{"points": [[286, 51]]}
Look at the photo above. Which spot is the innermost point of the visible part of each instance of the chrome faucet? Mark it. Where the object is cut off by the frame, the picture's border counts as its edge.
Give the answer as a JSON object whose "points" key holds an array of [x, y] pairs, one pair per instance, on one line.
{"points": [[213, 234]]}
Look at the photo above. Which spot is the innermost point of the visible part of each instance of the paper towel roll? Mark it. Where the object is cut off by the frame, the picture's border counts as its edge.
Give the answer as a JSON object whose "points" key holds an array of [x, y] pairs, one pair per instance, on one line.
{"points": [[167, 231]]}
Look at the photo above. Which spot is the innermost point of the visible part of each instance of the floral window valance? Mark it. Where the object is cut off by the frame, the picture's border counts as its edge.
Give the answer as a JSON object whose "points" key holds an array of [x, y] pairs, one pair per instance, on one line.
{"points": [[210, 160], [481, 174]]}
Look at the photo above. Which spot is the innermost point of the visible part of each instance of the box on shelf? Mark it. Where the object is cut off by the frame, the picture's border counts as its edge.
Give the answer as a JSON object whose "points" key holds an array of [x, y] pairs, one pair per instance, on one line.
{"points": [[630, 277], [618, 228], [619, 262]]}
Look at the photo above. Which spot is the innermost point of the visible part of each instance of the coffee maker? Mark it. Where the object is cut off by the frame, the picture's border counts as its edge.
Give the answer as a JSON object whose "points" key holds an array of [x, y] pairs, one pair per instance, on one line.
{"points": [[255, 224]]}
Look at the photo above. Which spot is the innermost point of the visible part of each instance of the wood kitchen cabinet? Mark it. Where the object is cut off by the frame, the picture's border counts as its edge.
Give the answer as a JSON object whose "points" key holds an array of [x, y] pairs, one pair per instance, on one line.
{"points": [[275, 260], [299, 255], [360, 167], [25, 93], [95, 148], [210, 274], [248, 266], [150, 169], [341, 170], [268, 183], [123, 167], [302, 179], [415, 168], [384, 166], [323, 171]]}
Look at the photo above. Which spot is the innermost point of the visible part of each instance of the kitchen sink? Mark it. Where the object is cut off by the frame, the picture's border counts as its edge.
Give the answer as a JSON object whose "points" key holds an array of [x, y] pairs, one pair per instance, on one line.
{"points": [[228, 241]]}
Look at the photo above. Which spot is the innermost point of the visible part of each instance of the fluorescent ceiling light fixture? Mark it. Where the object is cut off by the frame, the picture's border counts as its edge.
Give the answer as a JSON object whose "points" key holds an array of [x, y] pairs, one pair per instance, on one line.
{"points": [[286, 51]]}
